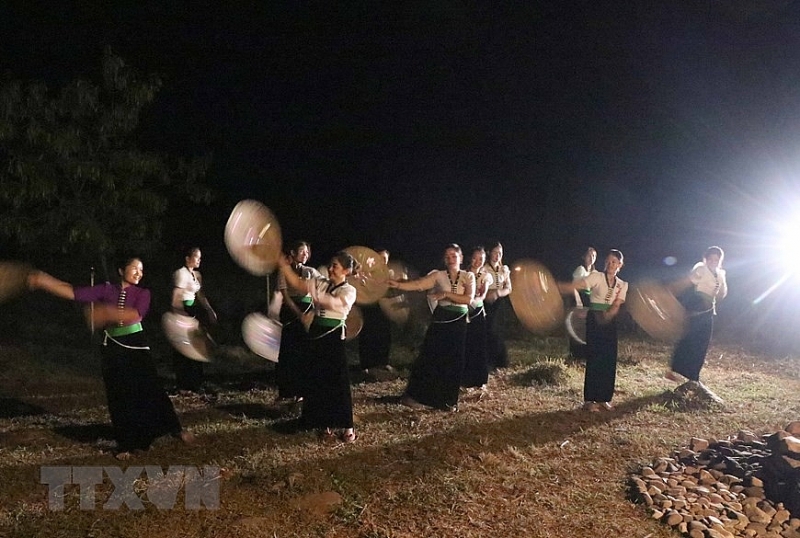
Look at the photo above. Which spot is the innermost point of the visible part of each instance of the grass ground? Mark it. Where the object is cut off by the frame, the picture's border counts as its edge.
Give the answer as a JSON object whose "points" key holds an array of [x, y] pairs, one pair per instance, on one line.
{"points": [[522, 461]]}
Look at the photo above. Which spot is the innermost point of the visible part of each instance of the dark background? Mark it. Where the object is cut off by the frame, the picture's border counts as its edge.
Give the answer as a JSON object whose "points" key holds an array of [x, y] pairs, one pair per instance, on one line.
{"points": [[659, 128]]}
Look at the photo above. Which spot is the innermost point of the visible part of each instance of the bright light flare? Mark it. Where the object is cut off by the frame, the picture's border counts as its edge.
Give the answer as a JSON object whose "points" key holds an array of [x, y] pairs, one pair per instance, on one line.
{"points": [[772, 288], [786, 249]]}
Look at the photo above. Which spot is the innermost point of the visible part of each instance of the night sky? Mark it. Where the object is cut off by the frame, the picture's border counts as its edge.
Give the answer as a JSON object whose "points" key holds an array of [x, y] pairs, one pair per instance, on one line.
{"points": [[659, 128]]}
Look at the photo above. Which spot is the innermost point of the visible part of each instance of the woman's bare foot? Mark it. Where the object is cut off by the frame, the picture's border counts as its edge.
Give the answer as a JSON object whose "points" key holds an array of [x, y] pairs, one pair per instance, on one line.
{"points": [[123, 456], [349, 436], [187, 437], [672, 376]]}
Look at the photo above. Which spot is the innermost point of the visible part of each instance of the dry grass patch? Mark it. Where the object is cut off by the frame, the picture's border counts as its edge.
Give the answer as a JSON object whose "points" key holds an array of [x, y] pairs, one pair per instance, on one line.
{"points": [[548, 372], [522, 460]]}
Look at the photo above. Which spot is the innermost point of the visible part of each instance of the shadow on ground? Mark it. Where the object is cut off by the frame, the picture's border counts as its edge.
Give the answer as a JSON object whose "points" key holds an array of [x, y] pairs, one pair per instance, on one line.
{"points": [[86, 433], [14, 408]]}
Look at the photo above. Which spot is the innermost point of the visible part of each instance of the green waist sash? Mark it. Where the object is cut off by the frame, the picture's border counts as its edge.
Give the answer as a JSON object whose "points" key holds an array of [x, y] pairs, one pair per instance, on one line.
{"points": [[125, 329], [601, 307], [328, 322]]}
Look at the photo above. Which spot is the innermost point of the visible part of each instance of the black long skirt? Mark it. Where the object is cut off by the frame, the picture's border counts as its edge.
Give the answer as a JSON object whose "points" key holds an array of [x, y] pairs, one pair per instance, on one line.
{"points": [[601, 358], [495, 346], [689, 355], [435, 378], [375, 338], [328, 402], [291, 370], [139, 407], [476, 365], [188, 372]]}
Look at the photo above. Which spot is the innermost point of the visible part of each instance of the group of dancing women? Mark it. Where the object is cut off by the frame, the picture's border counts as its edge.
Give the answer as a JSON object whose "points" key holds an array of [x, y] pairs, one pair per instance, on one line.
{"points": [[602, 294], [312, 367], [461, 346]]}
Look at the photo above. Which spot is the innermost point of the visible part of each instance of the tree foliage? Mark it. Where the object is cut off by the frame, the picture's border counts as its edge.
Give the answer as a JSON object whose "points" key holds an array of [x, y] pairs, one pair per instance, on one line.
{"points": [[72, 179]]}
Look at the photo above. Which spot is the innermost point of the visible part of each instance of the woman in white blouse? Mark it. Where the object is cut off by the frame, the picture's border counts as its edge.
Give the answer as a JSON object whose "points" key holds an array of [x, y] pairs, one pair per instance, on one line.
{"points": [[582, 271], [476, 364], [499, 289], [435, 378], [290, 374], [607, 294], [328, 401], [586, 268], [708, 285], [188, 299]]}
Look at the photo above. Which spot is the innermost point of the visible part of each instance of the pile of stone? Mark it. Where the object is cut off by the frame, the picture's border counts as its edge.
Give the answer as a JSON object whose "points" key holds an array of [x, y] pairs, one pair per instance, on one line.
{"points": [[746, 485]]}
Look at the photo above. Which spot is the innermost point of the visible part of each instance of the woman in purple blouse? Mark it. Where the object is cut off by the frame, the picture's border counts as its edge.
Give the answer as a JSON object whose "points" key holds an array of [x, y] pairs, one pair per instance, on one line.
{"points": [[139, 407]]}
